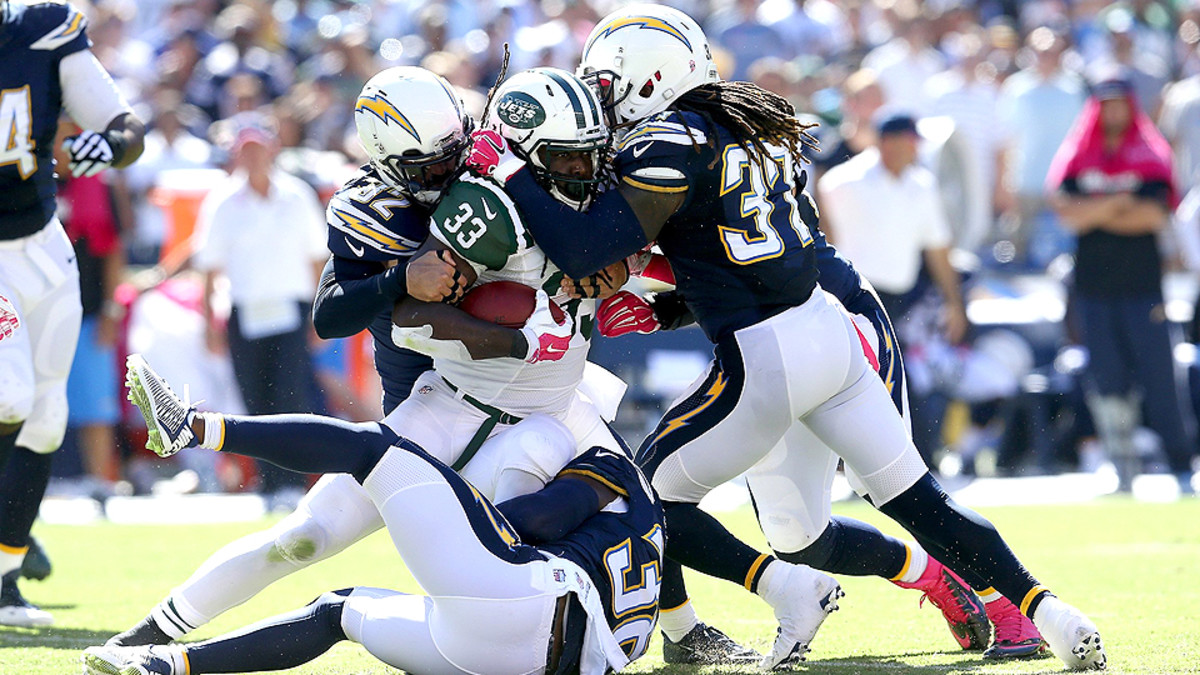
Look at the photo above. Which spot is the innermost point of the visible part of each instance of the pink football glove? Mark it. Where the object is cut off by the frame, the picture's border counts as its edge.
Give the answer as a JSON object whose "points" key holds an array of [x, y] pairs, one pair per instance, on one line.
{"points": [[650, 265], [491, 156], [548, 340], [626, 313]]}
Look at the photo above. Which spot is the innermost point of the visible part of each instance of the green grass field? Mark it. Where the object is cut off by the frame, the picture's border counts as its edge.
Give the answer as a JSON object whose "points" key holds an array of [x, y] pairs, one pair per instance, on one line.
{"points": [[1133, 567]]}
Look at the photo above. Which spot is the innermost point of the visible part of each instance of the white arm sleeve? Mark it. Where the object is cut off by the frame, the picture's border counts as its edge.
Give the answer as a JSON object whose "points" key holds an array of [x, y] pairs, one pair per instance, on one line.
{"points": [[90, 96]]}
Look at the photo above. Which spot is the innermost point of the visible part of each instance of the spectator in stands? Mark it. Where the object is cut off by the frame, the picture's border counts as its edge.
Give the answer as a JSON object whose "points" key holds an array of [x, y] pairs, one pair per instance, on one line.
{"points": [[1037, 106], [264, 230], [883, 211], [738, 30], [967, 94], [1180, 123], [862, 97], [1113, 187]]}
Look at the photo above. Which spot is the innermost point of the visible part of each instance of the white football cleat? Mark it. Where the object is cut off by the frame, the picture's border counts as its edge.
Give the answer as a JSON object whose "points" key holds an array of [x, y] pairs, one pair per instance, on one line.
{"points": [[15, 610], [802, 597], [106, 660], [167, 416], [1072, 637]]}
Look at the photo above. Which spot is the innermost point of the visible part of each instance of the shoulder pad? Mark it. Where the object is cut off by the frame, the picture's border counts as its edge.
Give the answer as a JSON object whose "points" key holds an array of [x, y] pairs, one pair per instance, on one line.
{"points": [[669, 127], [480, 223], [50, 25], [369, 221]]}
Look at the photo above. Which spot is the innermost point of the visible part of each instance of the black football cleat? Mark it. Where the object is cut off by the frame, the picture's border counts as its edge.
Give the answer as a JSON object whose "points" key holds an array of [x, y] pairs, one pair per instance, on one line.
{"points": [[36, 565], [707, 646]]}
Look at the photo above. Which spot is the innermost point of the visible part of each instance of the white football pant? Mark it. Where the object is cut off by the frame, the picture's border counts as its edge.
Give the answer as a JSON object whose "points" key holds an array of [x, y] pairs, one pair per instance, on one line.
{"points": [[40, 280]]}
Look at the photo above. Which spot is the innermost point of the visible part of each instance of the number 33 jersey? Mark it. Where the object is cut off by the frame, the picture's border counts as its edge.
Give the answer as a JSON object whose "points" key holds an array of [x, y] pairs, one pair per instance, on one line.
{"points": [[480, 223], [739, 246], [34, 38]]}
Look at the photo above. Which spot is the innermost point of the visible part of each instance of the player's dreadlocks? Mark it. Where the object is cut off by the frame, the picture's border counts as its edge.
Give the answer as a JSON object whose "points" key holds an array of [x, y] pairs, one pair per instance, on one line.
{"points": [[753, 115]]}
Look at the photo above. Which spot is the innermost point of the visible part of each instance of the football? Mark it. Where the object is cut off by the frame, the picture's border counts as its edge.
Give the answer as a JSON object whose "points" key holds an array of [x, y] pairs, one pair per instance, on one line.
{"points": [[506, 303]]}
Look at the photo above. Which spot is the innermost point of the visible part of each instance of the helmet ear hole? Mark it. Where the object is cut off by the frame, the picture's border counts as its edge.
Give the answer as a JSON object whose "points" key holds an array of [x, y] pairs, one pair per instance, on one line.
{"points": [[646, 89]]}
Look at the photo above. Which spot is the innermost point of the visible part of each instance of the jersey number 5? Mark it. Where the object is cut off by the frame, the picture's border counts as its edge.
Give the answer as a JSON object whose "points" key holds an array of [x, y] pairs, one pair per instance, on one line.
{"points": [[754, 237], [16, 131]]}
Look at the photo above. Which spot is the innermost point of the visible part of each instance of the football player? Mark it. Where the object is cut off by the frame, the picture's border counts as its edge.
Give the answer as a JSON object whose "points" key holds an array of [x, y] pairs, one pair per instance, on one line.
{"points": [[47, 68], [540, 584], [706, 169], [515, 389]]}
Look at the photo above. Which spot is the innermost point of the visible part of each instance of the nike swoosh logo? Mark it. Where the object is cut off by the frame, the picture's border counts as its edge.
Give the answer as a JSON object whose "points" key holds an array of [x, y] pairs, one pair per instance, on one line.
{"points": [[640, 150], [358, 250], [487, 211], [551, 349]]}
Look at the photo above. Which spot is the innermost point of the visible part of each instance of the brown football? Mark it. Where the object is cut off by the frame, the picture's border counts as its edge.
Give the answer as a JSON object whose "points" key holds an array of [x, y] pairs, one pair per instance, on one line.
{"points": [[507, 303]]}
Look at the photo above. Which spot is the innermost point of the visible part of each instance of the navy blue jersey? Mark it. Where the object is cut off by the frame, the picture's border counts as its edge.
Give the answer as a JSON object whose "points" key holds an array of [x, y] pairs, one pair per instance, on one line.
{"points": [[370, 222], [739, 245], [34, 38], [621, 548], [837, 275]]}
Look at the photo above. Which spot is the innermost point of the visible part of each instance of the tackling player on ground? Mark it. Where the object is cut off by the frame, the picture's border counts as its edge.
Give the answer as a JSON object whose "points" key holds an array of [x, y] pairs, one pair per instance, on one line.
{"points": [[47, 68], [540, 584], [707, 171]]}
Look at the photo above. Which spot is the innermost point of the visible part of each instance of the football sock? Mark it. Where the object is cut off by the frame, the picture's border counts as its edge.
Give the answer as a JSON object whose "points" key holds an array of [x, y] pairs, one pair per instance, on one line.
{"points": [[854, 548], [673, 592], [678, 622], [962, 540], [214, 430], [284, 641], [989, 595], [308, 443], [176, 618], [915, 563], [696, 539], [21, 488], [144, 632]]}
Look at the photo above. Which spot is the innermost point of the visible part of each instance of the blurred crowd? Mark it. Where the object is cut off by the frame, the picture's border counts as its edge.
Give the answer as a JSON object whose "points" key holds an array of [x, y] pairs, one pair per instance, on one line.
{"points": [[993, 86]]}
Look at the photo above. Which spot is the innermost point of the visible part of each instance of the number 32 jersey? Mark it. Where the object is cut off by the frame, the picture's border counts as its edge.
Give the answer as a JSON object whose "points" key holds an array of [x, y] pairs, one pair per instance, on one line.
{"points": [[480, 223], [739, 245], [34, 38]]}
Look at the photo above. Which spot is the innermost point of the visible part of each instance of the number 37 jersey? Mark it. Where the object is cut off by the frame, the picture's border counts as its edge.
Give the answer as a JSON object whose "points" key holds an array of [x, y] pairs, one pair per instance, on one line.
{"points": [[739, 246], [480, 223]]}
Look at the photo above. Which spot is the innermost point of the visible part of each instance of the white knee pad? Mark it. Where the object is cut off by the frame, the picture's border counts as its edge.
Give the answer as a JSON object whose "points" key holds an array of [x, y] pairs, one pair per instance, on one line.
{"points": [[303, 541], [16, 391], [335, 513], [47, 424], [539, 445], [537, 448]]}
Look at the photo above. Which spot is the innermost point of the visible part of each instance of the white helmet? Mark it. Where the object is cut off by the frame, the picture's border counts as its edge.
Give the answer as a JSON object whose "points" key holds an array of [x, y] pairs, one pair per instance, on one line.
{"points": [[414, 129], [545, 111], [642, 57]]}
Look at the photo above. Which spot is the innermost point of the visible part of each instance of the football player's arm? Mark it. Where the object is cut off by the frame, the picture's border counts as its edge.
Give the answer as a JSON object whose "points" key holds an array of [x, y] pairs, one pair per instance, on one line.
{"points": [[352, 293], [449, 324], [557, 509], [619, 223], [93, 101]]}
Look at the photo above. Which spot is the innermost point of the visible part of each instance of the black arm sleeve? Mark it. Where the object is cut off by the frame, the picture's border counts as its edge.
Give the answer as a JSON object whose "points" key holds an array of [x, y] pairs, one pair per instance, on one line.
{"points": [[552, 512], [579, 243], [352, 293]]}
